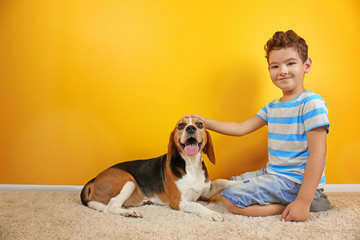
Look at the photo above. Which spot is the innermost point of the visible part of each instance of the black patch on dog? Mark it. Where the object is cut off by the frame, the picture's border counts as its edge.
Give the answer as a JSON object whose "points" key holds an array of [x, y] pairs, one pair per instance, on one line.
{"points": [[205, 170], [177, 165], [148, 174]]}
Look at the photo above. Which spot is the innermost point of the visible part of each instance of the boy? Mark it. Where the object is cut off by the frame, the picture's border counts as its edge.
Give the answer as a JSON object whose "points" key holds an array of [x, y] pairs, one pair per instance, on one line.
{"points": [[293, 180]]}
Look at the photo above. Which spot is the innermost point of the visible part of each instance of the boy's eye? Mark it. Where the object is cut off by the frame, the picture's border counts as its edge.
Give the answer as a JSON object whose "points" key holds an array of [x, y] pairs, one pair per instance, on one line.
{"points": [[273, 67], [292, 63]]}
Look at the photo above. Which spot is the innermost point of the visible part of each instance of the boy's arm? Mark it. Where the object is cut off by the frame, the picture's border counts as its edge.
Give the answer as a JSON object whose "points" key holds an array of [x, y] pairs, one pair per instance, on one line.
{"points": [[233, 128], [300, 208]]}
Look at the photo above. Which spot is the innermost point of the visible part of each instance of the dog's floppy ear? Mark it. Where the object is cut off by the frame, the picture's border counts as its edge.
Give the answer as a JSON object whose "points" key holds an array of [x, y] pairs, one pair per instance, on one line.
{"points": [[171, 146], [209, 149]]}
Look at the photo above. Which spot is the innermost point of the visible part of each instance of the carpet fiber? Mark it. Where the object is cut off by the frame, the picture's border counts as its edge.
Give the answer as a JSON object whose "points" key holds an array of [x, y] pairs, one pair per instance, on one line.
{"points": [[35, 215]]}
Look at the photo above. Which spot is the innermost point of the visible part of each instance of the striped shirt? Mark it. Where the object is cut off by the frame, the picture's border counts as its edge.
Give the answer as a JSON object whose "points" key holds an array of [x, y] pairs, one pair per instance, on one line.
{"points": [[288, 122]]}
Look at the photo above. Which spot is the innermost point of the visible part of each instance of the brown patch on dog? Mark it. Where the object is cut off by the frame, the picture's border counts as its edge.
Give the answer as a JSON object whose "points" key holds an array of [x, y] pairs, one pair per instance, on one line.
{"points": [[163, 197], [172, 192], [171, 147], [209, 148], [109, 183]]}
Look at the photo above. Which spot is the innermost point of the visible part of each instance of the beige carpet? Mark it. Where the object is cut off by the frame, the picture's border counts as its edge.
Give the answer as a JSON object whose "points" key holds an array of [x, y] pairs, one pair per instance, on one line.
{"points": [[29, 215]]}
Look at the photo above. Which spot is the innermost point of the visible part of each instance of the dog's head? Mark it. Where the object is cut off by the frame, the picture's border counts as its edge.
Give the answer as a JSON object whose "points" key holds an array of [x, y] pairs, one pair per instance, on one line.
{"points": [[191, 138]]}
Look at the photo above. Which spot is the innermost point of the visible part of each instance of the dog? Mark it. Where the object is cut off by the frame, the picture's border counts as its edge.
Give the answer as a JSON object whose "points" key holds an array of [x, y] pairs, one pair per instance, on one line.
{"points": [[177, 179]]}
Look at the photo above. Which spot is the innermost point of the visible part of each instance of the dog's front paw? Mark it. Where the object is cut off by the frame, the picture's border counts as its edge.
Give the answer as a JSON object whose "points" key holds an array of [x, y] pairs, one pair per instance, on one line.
{"points": [[131, 214], [213, 216]]}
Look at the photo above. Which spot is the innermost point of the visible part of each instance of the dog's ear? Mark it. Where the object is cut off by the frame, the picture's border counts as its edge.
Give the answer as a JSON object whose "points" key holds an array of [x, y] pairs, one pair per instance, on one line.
{"points": [[209, 149], [171, 146]]}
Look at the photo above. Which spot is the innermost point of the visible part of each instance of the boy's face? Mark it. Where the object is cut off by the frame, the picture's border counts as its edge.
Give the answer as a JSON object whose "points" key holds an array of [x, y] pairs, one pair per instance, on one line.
{"points": [[287, 70]]}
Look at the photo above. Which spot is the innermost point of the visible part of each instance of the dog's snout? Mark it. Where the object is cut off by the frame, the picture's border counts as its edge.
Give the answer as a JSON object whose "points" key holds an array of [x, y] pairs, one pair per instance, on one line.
{"points": [[191, 129]]}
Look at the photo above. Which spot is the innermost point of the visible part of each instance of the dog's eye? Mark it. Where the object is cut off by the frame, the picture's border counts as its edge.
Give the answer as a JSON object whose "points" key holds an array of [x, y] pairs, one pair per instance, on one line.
{"points": [[181, 126], [200, 125]]}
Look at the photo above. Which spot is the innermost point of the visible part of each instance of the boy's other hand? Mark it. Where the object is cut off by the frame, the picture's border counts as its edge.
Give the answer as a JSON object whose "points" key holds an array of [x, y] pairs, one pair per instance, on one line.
{"points": [[296, 211]]}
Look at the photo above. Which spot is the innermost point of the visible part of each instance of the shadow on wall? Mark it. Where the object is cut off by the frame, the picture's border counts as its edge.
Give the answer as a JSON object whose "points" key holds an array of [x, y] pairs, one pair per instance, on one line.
{"points": [[237, 91]]}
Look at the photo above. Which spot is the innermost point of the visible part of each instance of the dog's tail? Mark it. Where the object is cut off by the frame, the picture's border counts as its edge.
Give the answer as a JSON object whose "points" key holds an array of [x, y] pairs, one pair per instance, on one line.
{"points": [[87, 192]]}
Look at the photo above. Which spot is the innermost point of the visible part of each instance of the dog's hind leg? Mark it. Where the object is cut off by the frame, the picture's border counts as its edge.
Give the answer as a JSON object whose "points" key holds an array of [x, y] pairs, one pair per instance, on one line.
{"points": [[115, 206], [97, 205]]}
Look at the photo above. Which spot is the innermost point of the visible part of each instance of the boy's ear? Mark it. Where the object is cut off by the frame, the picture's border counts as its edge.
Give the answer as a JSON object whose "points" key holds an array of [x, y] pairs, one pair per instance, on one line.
{"points": [[308, 65]]}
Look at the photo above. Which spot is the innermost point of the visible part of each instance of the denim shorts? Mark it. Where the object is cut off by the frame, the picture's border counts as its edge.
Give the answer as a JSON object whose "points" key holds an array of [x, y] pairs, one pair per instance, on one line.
{"points": [[263, 188]]}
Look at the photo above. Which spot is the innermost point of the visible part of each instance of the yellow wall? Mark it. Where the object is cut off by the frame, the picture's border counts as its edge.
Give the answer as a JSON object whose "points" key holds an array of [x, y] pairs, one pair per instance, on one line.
{"points": [[86, 84]]}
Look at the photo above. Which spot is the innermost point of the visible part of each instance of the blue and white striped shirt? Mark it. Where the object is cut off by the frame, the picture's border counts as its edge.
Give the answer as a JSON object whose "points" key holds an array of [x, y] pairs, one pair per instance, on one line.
{"points": [[288, 122]]}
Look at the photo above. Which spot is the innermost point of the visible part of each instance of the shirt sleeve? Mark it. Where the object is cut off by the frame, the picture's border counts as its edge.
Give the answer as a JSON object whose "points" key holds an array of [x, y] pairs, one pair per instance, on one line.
{"points": [[315, 114], [263, 114]]}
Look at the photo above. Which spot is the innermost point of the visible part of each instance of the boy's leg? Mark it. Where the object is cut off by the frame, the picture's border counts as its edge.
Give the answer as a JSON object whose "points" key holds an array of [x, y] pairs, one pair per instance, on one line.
{"points": [[262, 195], [255, 210]]}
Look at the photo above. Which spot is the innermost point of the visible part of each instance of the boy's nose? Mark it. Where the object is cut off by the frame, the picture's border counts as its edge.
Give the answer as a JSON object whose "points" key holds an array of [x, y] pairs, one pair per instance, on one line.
{"points": [[284, 70]]}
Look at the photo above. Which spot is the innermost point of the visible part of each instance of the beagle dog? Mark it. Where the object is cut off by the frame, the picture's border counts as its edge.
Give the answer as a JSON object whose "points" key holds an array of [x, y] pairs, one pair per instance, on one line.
{"points": [[177, 179]]}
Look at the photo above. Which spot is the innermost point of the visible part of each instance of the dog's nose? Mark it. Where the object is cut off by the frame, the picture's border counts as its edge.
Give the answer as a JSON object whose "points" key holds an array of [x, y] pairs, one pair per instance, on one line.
{"points": [[190, 129]]}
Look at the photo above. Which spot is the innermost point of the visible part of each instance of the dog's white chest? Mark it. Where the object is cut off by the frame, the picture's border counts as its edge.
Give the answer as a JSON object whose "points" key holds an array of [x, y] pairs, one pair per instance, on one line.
{"points": [[193, 184]]}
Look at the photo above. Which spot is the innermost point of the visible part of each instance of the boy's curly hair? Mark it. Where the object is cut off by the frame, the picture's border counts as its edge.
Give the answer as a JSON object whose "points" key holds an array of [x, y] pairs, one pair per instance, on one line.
{"points": [[287, 39]]}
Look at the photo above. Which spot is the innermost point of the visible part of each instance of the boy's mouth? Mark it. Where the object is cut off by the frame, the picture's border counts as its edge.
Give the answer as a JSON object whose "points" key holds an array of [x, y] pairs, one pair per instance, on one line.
{"points": [[283, 79]]}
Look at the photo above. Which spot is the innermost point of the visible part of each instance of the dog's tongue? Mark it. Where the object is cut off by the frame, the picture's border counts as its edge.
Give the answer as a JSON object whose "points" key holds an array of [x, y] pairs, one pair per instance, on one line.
{"points": [[191, 149]]}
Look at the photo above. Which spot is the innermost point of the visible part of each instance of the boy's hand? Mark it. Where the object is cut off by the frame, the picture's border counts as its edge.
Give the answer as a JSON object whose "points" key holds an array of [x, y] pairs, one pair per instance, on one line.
{"points": [[200, 117], [297, 211], [196, 116]]}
